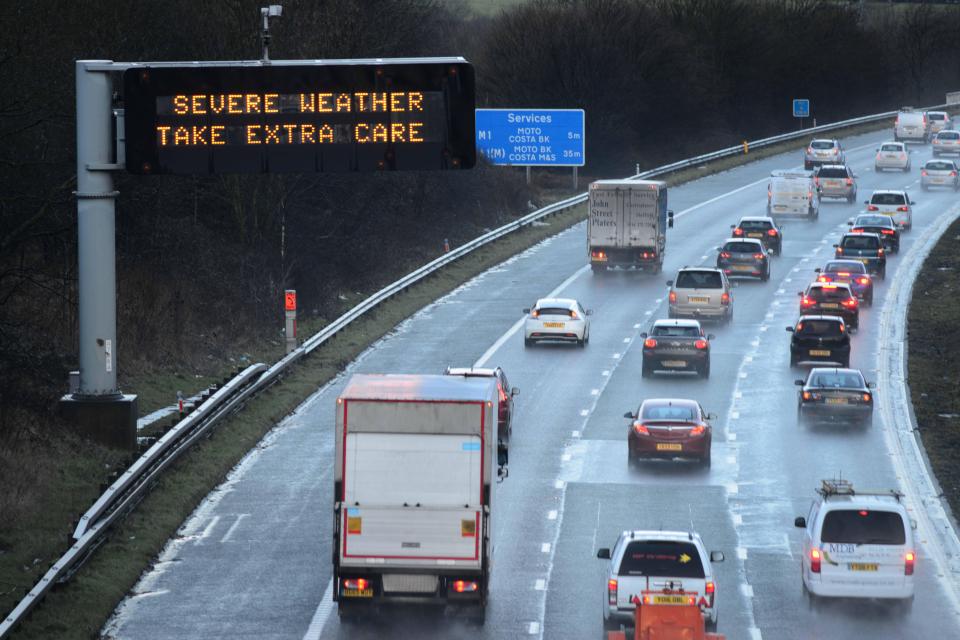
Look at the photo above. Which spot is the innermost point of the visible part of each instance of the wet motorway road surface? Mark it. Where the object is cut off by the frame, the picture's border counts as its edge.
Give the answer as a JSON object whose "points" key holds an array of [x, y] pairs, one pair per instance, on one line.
{"points": [[255, 559]]}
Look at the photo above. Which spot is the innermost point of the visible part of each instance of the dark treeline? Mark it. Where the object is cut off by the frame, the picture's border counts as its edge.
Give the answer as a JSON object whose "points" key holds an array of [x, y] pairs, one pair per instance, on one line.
{"points": [[202, 262]]}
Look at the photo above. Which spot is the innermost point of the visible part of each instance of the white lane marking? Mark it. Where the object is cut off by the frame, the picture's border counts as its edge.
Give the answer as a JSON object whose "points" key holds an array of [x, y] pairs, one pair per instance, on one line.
{"points": [[533, 628], [207, 530], [636, 326], [732, 488], [605, 373], [566, 458], [731, 436], [575, 434], [742, 553], [734, 415], [648, 313], [743, 374], [746, 590], [626, 339], [545, 547], [594, 392], [755, 633], [234, 526], [559, 484], [748, 359], [738, 394], [519, 323], [540, 584], [150, 594], [731, 459], [720, 197], [552, 514], [584, 413], [616, 356], [737, 520], [321, 615]]}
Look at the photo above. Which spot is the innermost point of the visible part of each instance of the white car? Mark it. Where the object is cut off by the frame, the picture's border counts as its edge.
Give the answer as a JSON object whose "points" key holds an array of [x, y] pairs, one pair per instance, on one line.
{"points": [[562, 319], [661, 566], [911, 125], [939, 120], [857, 544], [892, 155], [939, 173], [947, 141], [893, 203]]}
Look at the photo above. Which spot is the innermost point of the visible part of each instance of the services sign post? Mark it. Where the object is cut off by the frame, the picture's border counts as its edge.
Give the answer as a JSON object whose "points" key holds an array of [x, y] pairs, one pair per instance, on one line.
{"points": [[801, 109], [532, 137]]}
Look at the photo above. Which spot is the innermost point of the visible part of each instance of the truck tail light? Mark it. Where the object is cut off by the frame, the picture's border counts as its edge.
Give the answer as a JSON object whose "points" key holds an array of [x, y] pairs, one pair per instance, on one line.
{"points": [[872, 207], [673, 296], [700, 344], [356, 583], [612, 592], [725, 299], [465, 586], [908, 561], [650, 343], [815, 558]]}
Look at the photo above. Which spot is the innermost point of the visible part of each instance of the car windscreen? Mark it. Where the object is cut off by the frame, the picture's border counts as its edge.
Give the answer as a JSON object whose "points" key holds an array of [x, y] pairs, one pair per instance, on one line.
{"points": [[939, 165], [553, 311], [742, 247], [699, 280], [676, 332], [831, 172], [836, 379], [679, 413], [661, 558], [828, 293], [755, 225], [948, 135], [863, 527], [887, 198], [822, 144], [845, 267], [873, 221], [819, 328], [891, 147], [860, 242]]}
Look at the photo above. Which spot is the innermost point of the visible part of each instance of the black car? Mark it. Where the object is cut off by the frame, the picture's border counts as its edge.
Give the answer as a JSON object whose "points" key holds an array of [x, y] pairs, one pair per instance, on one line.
{"points": [[676, 345], [831, 298], [504, 391], [763, 228], [865, 247], [883, 226], [837, 395], [746, 257], [820, 339]]}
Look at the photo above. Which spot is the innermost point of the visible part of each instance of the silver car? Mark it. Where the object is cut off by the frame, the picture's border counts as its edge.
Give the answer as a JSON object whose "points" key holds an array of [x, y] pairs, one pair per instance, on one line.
{"points": [[701, 292], [823, 151], [892, 155], [939, 173], [836, 181], [947, 141], [939, 120]]}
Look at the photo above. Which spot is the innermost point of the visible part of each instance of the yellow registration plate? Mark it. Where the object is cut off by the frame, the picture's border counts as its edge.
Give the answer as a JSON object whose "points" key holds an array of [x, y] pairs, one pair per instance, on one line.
{"points": [[671, 599], [667, 446], [864, 260], [836, 401], [553, 325], [698, 299], [358, 593], [819, 352], [864, 566]]}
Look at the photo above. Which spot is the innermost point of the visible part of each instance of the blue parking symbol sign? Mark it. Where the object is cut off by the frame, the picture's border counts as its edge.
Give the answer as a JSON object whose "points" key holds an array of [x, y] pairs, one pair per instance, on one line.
{"points": [[801, 108]]}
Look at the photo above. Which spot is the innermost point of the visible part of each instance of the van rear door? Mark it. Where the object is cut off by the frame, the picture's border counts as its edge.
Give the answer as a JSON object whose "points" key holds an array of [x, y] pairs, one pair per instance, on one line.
{"points": [[863, 547]]}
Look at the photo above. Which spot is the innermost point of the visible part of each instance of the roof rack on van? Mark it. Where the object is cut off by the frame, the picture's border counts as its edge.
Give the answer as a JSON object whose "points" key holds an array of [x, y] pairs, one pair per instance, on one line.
{"points": [[840, 487]]}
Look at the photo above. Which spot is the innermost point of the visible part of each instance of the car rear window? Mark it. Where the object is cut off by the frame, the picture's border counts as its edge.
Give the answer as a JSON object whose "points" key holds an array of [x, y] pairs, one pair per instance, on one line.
{"points": [[832, 173], [554, 311], [948, 135], [682, 413], [661, 558], [677, 332], [822, 144], [938, 165], [891, 147], [860, 242], [873, 221], [828, 293], [699, 280], [887, 198], [741, 247], [937, 116], [863, 527], [755, 225], [838, 379], [819, 328], [845, 267]]}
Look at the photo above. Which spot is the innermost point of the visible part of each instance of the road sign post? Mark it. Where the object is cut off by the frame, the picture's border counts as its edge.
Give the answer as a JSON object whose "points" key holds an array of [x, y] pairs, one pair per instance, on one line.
{"points": [[801, 109], [290, 310]]}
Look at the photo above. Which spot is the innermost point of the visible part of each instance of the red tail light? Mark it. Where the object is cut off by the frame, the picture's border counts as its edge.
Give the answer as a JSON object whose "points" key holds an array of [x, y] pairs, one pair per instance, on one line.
{"points": [[598, 254], [806, 395], [849, 182], [839, 250], [809, 149], [771, 233], [863, 280], [710, 590], [866, 397], [699, 344], [953, 174], [725, 298], [724, 254], [573, 315], [880, 251], [850, 302], [650, 343], [824, 279], [535, 314], [611, 592], [902, 208], [809, 195], [816, 181], [872, 207], [815, 558], [738, 231], [639, 427], [465, 586], [806, 302], [673, 296], [356, 583], [758, 256], [697, 430], [856, 230], [908, 561], [923, 172], [887, 232]]}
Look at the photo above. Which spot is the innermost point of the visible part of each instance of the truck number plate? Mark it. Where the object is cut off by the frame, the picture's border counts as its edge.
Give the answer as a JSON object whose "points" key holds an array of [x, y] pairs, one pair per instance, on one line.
{"points": [[667, 446], [358, 593], [864, 566]]}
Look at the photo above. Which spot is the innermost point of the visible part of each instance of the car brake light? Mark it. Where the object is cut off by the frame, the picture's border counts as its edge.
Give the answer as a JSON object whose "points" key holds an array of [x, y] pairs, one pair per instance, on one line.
{"points": [[845, 274], [815, 557], [709, 590], [856, 230], [465, 586], [700, 344], [725, 298], [839, 250], [639, 427], [758, 256], [880, 251], [809, 195], [673, 296], [573, 315], [816, 181], [535, 314], [809, 149], [806, 302], [697, 430], [843, 328], [923, 172], [738, 231], [866, 397], [904, 208], [724, 254], [823, 279], [806, 395], [772, 232], [650, 343], [849, 182], [863, 280], [872, 207], [612, 592], [953, 174], [908, 561], [356, 583], [850, 302]]}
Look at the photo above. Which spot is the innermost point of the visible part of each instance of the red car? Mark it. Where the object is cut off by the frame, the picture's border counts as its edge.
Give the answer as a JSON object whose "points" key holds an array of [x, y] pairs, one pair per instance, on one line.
{"points": [[669, 428], [505, 415]]}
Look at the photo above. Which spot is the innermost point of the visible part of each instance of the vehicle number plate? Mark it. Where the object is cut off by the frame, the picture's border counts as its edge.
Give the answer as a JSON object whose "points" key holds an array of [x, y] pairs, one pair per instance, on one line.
{"points": [[819, 352], [674, 363], [864, 260], [742, 267], [698, 299], [836, 401], [671, 599], [832, 183], [829, 305], [754, 235], [358, 593], [779, 207], [668, 446], [864, 566], [553, 325]]}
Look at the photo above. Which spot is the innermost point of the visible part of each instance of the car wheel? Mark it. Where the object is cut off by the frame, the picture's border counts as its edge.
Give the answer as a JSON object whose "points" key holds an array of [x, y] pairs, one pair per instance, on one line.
{"points": [[793, 360], [581, 343], [527, 342], [705, 460], [646, 370], [711, 623], [877, 169]]}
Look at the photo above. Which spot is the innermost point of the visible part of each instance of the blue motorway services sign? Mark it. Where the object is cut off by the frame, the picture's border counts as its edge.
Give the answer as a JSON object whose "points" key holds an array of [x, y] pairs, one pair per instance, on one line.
{"points": [[801, 108], [532, 137]]}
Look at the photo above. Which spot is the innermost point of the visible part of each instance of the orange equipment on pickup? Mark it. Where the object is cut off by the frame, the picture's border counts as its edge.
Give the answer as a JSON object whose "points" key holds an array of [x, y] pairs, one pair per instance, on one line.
{"points": [[678, 619]]}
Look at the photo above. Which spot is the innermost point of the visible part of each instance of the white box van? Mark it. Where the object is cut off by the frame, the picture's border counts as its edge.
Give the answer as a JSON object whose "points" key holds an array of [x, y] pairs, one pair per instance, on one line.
{"points": [[911, 125], [857, 544], [793, 193]]}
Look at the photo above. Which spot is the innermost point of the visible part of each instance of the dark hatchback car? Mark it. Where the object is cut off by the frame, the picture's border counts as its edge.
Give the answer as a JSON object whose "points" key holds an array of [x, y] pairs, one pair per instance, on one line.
{"points": [[669, 428], [833, 299], [883, 226], [504, 390], [746, 257], [820, 339], [763, 228], [866, 248], [835, 395], [676, 345], [849, 272]]}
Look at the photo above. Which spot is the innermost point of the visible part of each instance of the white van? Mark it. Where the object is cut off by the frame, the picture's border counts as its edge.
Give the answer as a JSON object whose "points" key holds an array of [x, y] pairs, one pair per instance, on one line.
{"points": [[911, 125], [857, 544], [793, 193]]}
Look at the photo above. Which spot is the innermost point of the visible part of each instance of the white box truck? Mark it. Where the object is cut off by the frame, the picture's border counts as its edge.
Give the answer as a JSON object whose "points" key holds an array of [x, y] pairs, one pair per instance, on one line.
{"points": [[626, 224], [415, 476]]}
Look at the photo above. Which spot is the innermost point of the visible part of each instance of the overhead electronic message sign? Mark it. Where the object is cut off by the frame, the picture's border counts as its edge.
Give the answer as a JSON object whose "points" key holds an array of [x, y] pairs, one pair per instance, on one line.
{"points": [[300, 118]]}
